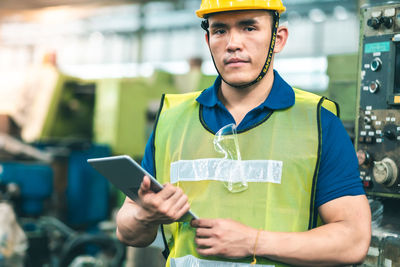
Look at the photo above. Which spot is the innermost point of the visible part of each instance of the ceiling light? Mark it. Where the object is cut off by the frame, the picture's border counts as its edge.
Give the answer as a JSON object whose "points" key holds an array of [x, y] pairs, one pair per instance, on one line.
{"points": [[317, 15], [340, 13]]}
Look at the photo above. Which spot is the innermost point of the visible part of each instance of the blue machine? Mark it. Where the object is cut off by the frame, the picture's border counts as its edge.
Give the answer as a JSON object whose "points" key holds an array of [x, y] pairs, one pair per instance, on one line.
{"points": [[35, 181], [87, 190]]}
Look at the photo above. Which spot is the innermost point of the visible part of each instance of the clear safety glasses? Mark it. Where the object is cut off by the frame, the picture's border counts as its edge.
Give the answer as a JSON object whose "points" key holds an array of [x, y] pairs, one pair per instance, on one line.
{"points": [[226, 142]]}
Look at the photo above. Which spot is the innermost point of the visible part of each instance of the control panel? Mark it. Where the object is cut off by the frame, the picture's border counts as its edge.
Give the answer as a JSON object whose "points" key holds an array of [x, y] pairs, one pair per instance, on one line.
{"points": [[377, 134]]}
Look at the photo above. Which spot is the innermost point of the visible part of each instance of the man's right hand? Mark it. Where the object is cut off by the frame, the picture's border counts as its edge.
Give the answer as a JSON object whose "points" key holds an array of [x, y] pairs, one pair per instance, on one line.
{"points": [[163, 207]]}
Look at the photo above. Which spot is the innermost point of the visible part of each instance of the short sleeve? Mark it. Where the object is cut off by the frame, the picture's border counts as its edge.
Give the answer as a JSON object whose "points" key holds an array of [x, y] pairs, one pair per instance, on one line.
{"points": [[338, 171], [148, 158]]}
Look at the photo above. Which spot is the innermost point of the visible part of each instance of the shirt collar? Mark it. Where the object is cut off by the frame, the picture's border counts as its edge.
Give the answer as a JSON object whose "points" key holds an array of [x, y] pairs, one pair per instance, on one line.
{"points": [[281, 95]]}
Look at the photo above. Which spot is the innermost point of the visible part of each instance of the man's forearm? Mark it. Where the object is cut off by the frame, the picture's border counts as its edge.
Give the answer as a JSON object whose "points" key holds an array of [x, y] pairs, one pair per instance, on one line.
{"points": [[137, 224], [328, 245], [344, 239], [132, 232]]}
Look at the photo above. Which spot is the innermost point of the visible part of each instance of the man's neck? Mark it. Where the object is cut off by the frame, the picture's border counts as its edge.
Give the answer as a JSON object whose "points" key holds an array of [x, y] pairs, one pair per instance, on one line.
{"points": [[239, 101]]}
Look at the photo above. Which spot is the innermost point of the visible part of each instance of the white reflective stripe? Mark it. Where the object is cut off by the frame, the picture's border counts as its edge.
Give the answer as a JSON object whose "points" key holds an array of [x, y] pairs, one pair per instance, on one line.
{"points": [[192, 261], [227, 170]]}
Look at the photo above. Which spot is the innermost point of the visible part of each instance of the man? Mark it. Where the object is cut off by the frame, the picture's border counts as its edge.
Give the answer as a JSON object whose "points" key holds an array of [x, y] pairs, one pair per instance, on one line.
{"points": [[304, 204]]}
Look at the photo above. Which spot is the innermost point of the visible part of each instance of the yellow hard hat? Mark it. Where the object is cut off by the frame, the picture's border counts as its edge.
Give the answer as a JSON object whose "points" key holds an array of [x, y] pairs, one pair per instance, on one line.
{"points": [[214, 6]]}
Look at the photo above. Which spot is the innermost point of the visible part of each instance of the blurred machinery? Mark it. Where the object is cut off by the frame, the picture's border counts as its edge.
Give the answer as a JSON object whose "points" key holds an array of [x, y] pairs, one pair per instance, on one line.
{"points": [[378, 129], [60, 122], [53, 243], [120, 111], [58, 198], [125, 109], [47, 182], [54, 106], [342, 87]]}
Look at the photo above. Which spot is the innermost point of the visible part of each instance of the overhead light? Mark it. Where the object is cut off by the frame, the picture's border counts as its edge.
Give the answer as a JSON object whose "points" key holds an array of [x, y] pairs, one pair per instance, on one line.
{"points": [[340, 13], [60, 14], [317, 15], [55, 14]]}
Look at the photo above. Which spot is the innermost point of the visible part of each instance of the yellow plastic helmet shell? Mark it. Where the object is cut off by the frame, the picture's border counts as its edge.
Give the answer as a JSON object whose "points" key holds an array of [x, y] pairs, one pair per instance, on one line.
{"points": [[215, 6]]}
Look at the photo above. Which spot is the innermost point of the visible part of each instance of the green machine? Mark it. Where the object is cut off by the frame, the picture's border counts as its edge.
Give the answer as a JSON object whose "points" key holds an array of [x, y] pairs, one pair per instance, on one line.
{"points": [[342, 88], [125, 109], [120, 111], [55, 106]]}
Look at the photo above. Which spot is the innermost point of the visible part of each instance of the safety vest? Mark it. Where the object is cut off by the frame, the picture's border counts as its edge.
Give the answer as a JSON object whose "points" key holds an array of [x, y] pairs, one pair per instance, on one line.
{"points": [[279, 159]]}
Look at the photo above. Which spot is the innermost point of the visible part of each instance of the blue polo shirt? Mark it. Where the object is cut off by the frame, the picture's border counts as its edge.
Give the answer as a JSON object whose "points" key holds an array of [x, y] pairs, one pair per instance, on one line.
{"points": [[338, 172]]}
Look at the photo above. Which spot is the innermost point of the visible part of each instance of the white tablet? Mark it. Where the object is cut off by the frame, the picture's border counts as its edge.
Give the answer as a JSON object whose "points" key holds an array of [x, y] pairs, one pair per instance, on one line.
{"points": [[127, 175]]}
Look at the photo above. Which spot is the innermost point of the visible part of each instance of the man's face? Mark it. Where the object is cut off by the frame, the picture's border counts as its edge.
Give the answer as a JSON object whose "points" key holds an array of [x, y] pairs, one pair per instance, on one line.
{"points": [[239, 43]]}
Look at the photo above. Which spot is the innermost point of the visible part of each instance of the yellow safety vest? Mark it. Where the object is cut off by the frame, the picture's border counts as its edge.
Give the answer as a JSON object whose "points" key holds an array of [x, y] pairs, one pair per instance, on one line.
{"points": [[280, 159]]}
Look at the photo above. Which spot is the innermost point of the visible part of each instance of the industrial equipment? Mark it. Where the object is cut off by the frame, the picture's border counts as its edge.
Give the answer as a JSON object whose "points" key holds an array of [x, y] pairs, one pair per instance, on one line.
{"points": [[378, 127]]}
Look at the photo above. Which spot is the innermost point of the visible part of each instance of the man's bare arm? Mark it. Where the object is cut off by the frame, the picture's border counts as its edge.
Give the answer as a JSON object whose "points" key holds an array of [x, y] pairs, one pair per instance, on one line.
{"points": [[137, 223], [344, 239], [131, 231]]}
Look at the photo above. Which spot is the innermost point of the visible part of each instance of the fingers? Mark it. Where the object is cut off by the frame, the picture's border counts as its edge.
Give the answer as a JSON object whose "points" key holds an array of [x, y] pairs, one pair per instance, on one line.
{"points": [[181, 206], [167, 205], [202, 223], [174, 197], [169, 191], [144, 186], [182, 211], [206, 236], [204, 242], [206, 246], [176, 205], [206, 251], [204, 232]]}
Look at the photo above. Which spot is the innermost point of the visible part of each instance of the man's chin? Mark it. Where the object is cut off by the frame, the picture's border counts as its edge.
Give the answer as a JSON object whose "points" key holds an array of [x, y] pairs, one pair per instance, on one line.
{"points": [[238, 82]]}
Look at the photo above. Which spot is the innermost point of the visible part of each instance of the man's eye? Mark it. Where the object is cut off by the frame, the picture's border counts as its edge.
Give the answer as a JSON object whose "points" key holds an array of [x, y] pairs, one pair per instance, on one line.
{"points": [[220, 31], [249, 29]]}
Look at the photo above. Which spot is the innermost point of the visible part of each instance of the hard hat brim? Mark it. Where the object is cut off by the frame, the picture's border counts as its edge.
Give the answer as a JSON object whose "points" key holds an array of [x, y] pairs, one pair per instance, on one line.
{"points": [[201, 13]]}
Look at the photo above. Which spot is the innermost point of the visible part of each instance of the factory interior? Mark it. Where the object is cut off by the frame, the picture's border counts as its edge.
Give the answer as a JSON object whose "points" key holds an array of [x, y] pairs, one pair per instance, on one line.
{"points": [[83, 79]]}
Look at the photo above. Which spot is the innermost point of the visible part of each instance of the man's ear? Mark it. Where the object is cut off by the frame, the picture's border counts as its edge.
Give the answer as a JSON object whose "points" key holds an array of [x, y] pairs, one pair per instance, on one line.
{"points": [[207, 37], [282, 35]]}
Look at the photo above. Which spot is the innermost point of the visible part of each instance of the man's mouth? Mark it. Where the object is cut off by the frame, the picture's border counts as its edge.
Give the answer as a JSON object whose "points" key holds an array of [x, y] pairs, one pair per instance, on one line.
{"points": [[235, 61]]}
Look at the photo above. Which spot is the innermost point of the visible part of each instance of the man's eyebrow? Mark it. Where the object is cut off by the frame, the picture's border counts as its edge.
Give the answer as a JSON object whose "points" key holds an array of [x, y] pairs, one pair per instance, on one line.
{"points": [[218, 25], [247, 22], [241, 23]]}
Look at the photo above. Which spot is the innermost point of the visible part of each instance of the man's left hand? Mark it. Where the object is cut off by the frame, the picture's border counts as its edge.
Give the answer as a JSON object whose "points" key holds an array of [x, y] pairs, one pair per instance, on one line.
{"points": [[224, 237]]}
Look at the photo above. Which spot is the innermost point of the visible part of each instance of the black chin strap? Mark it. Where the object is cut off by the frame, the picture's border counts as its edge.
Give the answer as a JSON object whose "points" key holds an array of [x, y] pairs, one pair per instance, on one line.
{"points": [[205, 25]]}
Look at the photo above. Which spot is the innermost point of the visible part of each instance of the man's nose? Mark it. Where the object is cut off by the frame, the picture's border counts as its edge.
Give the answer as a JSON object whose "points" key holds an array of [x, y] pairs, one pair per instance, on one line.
{"points": [[234, 41]]}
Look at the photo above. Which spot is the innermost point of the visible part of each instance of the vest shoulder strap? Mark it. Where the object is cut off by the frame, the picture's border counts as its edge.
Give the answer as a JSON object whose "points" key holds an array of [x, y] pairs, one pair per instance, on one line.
{"points": [[173, 100], [330, 105]]}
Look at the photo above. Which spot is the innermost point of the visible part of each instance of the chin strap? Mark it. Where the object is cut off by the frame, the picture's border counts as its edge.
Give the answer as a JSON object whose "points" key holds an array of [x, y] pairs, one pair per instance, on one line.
{"points": [[205, 26]]}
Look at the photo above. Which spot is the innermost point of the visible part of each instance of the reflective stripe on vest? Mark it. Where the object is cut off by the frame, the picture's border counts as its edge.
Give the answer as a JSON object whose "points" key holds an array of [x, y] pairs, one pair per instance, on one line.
{"points": [[191, 261], [261, 171], [280, 157]]}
